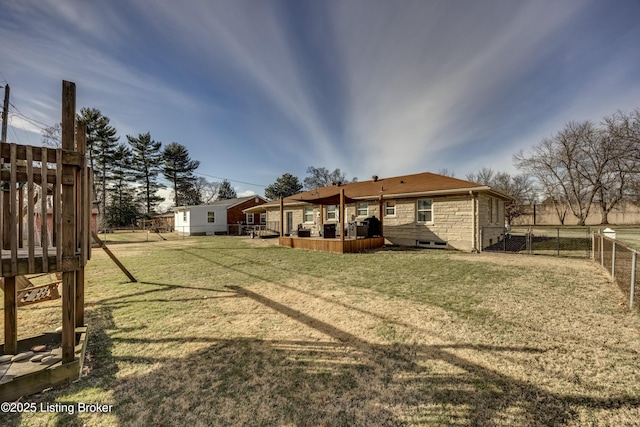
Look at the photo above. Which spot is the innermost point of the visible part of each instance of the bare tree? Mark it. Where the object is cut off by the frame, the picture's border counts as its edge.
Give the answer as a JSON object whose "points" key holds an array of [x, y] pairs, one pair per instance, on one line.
{"points": [[322, 177], [519, 187], [207, 190], [447, 172], [563, 167]]}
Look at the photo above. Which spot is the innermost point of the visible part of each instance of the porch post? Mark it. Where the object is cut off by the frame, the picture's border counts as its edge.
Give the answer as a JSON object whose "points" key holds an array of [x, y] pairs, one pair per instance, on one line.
{"points": [[380, 207], [342, 214]]}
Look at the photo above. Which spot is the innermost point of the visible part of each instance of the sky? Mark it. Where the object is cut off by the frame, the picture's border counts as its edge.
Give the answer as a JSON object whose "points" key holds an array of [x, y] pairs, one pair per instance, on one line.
{"points": [[258, 88]]}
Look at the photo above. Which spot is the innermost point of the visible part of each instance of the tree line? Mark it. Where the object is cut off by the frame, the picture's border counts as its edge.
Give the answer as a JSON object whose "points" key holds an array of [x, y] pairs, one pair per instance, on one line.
{"points": [[582, 167], [127, 174]]}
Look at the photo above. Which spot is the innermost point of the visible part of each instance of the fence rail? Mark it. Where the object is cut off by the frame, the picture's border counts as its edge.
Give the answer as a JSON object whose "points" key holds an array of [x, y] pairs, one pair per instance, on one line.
{"points": [[621, 262]]}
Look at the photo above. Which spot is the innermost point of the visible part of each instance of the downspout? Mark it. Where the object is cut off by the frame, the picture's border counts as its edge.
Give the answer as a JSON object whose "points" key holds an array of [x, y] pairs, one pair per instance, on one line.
{"points": [[474, 212]]}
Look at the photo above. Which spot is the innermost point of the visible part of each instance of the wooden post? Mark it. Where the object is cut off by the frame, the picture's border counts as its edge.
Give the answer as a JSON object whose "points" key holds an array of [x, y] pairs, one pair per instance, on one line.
{"points": [[81, 227], [10, 316], [30, 210], [44, 233], [342, 215], [281, 217], [67, 239], [380, 208], [113, 257]]}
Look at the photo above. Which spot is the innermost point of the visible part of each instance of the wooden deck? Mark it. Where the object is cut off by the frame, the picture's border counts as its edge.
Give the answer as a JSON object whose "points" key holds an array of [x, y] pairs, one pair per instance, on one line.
{"points": [[26, 377], [26, 263], [332, 245]]}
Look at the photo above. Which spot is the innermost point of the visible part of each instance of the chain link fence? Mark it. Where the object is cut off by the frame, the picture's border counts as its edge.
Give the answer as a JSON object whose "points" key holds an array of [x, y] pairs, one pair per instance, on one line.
{"points": [[574, 242], [620, 261]]}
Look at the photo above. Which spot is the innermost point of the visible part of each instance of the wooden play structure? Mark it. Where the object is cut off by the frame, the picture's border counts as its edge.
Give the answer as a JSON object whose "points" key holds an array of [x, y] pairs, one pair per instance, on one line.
{"points": [[37, 181]]}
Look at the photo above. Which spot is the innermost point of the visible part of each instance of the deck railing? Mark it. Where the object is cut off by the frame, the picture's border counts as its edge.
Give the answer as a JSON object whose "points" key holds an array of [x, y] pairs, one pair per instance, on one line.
{"points": [[31, 211]]}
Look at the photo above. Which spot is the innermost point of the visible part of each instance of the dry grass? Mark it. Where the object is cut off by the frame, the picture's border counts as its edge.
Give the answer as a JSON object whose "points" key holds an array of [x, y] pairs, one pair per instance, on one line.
{"points": [[229, 331]]}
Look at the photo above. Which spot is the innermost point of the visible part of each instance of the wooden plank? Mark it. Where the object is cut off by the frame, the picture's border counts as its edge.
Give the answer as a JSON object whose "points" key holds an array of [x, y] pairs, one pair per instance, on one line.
{"points": [[20, 214], [44, 233], [80, 297], [66, 221], [39, 380], [57, 210], [10, 316], [13, 212], [39, 153], [22, 175], [113, 257], [30, 210]]}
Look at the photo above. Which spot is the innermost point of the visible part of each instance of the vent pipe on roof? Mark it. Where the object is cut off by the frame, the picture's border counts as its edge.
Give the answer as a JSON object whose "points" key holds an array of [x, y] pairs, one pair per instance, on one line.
{"points": [[375, 178]]}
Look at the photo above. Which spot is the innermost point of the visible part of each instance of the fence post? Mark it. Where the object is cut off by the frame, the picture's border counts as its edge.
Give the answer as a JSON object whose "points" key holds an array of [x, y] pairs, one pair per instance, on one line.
{"points": [[558, 229], [634, 257], [613, 260], [601, 249]]}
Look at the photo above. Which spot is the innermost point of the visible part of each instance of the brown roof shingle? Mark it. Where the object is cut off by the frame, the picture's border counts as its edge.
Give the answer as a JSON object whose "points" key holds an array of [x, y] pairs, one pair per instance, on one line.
{"points": [[425, 183]]}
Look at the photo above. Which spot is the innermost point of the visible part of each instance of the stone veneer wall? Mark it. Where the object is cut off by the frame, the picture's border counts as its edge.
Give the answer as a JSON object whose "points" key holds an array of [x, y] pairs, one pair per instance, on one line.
{"points": [[452, 221]]}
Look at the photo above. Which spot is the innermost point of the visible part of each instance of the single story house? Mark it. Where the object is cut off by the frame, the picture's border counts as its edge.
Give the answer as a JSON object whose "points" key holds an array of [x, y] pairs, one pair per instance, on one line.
{"points": [[425, 210], [216, 217]]}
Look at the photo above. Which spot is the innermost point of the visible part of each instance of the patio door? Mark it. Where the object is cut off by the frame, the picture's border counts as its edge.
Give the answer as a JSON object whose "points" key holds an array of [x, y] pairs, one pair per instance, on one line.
{"points": [[289, 224]]}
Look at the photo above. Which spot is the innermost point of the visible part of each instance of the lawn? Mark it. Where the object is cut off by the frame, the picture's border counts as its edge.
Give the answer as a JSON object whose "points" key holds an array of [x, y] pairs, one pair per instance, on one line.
{"points": [[234, 331]]}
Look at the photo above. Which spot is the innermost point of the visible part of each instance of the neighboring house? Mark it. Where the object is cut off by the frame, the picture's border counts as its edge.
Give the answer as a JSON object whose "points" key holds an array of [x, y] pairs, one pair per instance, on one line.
{"points": [[425, 209], [215, 217]]}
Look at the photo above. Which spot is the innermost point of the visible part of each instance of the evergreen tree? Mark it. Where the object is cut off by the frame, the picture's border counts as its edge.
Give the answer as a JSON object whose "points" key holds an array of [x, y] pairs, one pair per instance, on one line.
{"points": [[146, 164], [101, 139], [286, 185], [122, 209], [178, 169], [226, 191]]}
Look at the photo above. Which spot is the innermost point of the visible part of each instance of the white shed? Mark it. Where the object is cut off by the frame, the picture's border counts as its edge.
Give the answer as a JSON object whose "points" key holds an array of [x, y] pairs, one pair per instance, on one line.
{"points": [[203, 220], [214, 218]]}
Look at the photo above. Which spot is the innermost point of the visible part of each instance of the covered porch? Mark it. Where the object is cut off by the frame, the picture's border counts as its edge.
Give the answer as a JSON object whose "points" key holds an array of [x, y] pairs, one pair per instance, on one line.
{"points": [[342, 243]]}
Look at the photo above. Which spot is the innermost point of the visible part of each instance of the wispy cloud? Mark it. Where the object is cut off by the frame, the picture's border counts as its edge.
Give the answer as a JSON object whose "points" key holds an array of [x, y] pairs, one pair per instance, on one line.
{"points": [[369, 86]]}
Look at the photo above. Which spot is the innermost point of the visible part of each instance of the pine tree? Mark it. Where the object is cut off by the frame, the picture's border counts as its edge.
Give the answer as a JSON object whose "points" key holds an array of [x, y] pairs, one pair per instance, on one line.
{"points": [[226, 191], [286, 185], [147, 164], [122, 209], [178, 169], [101, 139]]}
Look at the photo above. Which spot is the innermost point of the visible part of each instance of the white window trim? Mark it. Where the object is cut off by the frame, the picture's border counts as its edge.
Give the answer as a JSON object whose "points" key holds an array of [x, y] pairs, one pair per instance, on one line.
{"points": [[432, 213], [367, 207], [263, 218], [304, 214], [214, 217], [249, 218], [335, 213], [395, 205]]}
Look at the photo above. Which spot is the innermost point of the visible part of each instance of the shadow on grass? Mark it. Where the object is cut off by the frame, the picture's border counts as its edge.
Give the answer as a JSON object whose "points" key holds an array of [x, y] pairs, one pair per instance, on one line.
{"points": [[340, 381]]}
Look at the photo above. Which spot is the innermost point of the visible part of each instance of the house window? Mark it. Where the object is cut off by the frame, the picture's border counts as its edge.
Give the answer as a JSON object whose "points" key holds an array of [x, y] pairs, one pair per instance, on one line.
{"points": [[184, 216], [390, 208], [425, 210], [496, 210], [362, 209], [263, 218], [211, 217], [331, 212], [249, 218], [308, 214]]}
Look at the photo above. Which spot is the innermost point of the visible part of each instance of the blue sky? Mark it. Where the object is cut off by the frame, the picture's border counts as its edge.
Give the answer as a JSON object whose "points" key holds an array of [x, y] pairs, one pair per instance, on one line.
{"points": [[258, 88]]}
